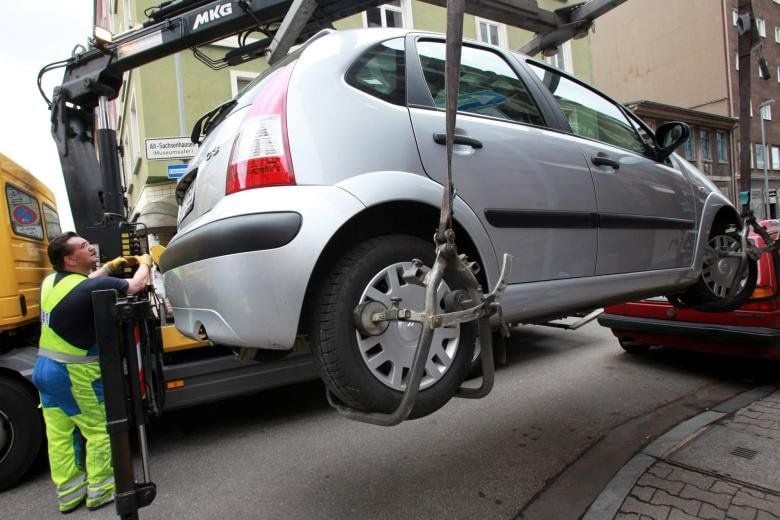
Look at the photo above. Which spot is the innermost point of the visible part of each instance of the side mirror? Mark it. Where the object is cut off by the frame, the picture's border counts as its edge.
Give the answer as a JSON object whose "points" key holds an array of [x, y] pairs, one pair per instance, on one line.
{"points": [[669, 137]]}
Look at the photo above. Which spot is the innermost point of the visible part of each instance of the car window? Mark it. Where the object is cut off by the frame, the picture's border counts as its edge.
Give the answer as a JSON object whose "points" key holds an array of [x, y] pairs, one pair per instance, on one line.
{"points": [[24, 212], [590, 114], [52, 220], [488, 85], [381, 72]]}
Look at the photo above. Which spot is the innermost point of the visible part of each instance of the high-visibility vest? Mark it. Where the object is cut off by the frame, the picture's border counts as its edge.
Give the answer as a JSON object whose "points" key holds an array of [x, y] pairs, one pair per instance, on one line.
{"points": [[51, 344]]}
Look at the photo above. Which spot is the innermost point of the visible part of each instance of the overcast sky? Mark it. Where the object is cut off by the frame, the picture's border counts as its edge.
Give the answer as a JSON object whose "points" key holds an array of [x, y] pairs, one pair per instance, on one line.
{"points": [[32, 34]]}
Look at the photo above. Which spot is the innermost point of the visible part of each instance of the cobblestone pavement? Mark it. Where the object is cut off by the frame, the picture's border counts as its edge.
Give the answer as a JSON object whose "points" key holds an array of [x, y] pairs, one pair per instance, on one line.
{"points": [[671, 491]]}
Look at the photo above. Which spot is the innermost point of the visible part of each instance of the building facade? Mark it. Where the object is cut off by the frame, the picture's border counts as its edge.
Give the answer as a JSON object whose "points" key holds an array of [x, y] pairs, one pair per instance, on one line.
{"points": [[684, 54], [160, 102]]}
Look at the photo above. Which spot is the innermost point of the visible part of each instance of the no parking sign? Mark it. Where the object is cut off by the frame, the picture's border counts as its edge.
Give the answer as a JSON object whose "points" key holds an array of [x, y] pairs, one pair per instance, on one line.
{"points": [[25, 215]]}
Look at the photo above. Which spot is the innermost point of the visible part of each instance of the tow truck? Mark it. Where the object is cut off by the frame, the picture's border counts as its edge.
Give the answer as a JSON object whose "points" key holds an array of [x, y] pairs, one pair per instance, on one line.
{"points": [[192, 374], [89, 156]]}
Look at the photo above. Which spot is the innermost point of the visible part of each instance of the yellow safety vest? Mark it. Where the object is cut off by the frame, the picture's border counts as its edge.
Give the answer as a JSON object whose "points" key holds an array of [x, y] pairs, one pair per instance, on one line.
{"points": [[51, 345]]}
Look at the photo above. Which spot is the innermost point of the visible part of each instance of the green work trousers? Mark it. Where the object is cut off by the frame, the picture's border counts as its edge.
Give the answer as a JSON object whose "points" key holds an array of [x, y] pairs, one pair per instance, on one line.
{"points": [[72, 398]]}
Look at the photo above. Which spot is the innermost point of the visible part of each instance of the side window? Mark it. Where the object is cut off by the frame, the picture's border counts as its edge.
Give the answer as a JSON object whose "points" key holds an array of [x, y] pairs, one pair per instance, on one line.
{"points": [[488, 85], [590, 115], [52, 220], [381, 72], [24, 212]]}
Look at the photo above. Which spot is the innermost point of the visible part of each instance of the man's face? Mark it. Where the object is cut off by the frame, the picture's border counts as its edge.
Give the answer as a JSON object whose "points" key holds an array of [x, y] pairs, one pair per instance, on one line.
{"points": [[82, 256]]}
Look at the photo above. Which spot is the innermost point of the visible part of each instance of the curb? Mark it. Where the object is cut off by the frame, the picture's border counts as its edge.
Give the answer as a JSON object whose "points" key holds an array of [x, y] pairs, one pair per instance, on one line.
{"points": [[607, 503]]}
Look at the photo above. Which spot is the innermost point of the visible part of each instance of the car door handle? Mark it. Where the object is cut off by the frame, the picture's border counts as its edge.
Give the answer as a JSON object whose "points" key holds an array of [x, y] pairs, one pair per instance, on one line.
{"points": [[459, 139], [602, 159]]}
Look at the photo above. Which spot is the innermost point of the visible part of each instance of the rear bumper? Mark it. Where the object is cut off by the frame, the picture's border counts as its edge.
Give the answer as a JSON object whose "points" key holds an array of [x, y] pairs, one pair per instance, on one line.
{"points": [[242, 275], [232, 235], [700, 331], [751, 342]]}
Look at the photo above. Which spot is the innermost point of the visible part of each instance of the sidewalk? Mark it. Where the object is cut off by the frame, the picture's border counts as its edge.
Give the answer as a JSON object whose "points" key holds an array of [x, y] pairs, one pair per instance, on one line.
{"points": [[722, 464]]}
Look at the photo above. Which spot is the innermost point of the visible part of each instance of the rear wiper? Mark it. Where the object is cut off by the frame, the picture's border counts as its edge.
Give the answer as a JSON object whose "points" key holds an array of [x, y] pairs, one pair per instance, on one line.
{"points": [[209, 120]]}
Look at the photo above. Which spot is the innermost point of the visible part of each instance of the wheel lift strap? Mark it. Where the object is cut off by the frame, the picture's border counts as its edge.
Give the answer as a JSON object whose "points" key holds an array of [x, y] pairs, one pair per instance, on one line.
{"points": [[454, 44]]}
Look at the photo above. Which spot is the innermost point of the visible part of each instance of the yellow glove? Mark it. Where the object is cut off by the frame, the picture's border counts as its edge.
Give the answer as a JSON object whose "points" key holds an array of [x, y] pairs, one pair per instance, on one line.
{"points": [[116, 264], [144, 259]]}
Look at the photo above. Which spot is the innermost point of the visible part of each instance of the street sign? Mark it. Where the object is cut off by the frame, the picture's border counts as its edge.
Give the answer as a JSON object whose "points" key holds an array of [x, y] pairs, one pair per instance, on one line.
{"points": [[166, 148], [175, 171], [773, 196]]}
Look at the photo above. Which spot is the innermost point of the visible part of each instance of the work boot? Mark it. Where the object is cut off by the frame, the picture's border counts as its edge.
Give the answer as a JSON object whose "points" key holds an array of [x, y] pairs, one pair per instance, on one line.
{"points": [[93, 504], [69, 508]]}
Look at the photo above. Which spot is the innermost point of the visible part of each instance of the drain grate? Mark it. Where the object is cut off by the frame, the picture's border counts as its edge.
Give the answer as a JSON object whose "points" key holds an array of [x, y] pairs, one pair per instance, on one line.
{"points": [[745, 453]]}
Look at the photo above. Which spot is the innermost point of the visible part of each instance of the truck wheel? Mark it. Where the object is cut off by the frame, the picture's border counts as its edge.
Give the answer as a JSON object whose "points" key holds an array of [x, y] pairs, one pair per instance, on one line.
{"points": [[21, 431], [369, 372]]}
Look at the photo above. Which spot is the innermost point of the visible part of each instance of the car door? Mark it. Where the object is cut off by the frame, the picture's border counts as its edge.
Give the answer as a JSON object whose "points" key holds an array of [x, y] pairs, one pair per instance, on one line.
{"points": [[528, 184], [646, 211]]}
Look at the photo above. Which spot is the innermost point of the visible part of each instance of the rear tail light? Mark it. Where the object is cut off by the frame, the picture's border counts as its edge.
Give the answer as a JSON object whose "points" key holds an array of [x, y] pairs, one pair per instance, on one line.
{"points": [[261, 152], [766, 282], [762, 292]]}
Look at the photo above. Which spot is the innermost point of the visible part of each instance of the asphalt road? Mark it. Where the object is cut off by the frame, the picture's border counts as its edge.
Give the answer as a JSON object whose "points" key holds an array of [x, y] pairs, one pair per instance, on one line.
{"points": [[567, 411]]}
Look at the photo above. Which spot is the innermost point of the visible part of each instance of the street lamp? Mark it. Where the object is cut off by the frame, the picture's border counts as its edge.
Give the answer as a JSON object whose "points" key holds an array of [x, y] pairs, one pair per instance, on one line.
{"points": [[761, 106]]}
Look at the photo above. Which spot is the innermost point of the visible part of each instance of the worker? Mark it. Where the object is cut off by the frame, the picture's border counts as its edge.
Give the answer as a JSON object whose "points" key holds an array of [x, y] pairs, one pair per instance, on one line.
{"points": [[67, 371]]}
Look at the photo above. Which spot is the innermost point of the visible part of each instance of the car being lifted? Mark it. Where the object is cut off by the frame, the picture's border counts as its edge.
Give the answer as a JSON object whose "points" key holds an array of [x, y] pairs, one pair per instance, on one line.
{"points": [[317, 185]]}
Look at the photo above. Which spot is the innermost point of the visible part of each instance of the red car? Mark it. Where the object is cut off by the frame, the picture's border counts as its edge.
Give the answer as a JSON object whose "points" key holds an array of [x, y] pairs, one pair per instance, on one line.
{"points": [[753, 330]]}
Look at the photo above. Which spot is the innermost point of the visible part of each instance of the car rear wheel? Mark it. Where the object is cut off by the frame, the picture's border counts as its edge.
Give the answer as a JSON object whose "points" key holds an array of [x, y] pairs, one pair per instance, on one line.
{"points": [[712, 291], [369, 373]]}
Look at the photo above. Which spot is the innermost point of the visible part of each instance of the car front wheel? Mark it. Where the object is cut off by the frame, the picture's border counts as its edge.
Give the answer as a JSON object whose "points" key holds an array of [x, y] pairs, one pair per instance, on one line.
{"points": [[368, 372], [712, 292]]}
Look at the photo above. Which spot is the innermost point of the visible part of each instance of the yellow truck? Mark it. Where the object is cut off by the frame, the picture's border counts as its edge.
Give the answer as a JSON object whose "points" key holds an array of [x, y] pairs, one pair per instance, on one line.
{"points": [[28, 219]]}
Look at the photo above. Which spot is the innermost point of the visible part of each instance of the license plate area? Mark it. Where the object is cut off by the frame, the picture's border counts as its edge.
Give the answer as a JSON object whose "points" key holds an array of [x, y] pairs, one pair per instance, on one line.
{"points": [[188, 202]]}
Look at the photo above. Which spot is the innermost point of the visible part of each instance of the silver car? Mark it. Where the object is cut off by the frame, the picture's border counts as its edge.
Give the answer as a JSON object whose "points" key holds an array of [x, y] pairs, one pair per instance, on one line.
{"points": [[321, 181]]}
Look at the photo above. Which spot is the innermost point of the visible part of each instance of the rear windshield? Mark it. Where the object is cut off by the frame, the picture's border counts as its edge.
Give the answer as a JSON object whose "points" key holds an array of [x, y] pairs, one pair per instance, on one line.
{"points": [[24, 212]]}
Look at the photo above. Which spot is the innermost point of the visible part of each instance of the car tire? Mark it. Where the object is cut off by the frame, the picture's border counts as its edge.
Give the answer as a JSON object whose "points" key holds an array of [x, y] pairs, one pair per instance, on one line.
{"points": [[21, 431], [349, 362], [703, 295], [633, 347]]}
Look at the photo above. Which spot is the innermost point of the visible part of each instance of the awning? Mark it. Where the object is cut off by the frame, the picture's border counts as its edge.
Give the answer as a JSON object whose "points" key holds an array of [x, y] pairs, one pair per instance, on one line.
{"points": [[158, 215]]}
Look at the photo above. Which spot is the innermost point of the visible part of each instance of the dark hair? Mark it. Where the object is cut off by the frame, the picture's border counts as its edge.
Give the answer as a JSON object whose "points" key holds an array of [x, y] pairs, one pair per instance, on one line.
{"points": [[58, 249]]}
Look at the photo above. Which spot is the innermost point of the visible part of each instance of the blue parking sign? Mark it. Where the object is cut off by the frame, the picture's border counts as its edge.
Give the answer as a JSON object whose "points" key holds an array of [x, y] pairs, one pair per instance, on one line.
{"points": [[175, 171]]}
